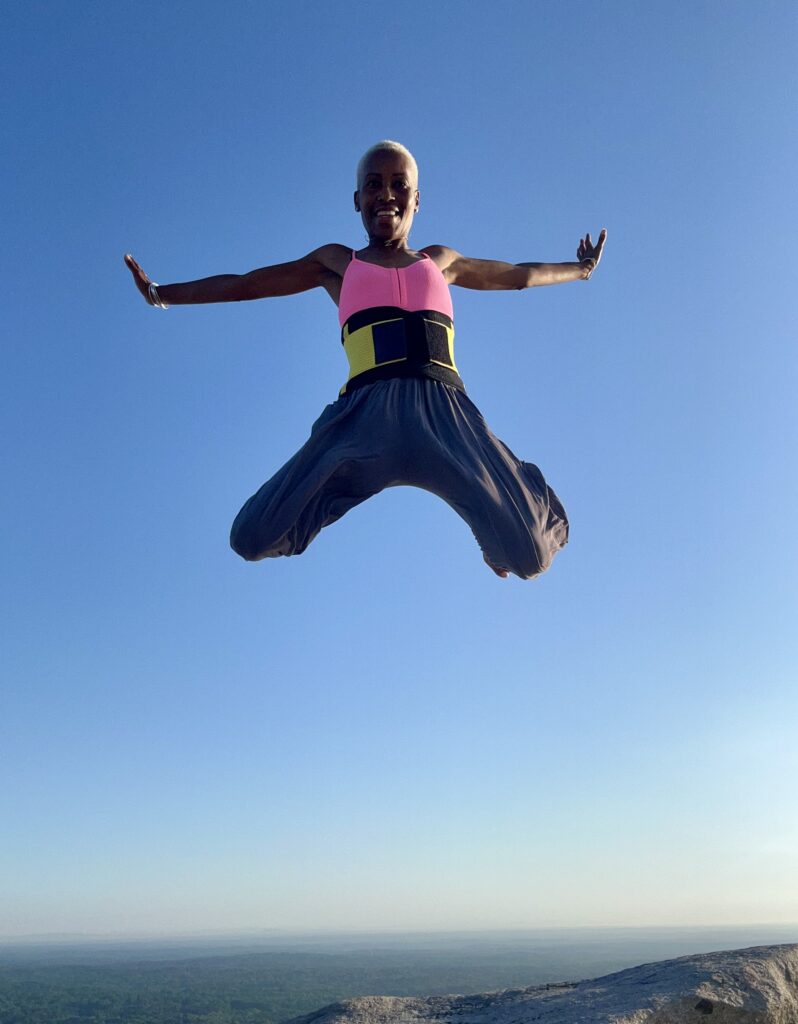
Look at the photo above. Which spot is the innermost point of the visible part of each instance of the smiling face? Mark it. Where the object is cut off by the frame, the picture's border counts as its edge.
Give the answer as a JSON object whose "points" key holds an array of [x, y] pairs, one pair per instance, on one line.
{"points": [[387, 197]]}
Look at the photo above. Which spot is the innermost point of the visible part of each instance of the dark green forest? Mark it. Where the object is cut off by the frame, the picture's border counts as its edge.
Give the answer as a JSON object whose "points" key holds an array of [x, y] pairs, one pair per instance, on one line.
{"points": [[178, 984], [262, 988]]}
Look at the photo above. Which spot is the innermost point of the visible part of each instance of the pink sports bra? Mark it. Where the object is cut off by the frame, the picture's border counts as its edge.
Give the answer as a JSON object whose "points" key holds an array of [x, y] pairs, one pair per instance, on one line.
{"points": [[419, 286]]}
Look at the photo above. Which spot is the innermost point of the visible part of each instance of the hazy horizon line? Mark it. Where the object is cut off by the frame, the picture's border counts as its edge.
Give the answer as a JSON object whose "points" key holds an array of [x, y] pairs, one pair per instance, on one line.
{"points": [[276, 934]]}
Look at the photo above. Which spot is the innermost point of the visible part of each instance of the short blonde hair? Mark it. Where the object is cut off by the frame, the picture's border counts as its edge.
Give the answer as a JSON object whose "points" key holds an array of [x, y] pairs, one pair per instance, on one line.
{"points": [[386, 146]]}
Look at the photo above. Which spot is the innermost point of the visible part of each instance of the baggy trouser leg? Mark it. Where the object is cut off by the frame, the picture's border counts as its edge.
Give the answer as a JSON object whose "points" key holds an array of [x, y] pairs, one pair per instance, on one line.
{"points": [[339, 467], [516, 518], [275, 522]]}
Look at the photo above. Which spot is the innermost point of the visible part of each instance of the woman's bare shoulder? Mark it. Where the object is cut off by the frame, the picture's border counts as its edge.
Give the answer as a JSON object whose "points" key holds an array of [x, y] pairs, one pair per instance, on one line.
{"points": [[441, 255], [332, 257]]}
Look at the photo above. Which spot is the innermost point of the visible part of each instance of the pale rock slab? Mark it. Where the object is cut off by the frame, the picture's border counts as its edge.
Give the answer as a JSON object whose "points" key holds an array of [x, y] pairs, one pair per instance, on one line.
{"points": [[744, 986]]}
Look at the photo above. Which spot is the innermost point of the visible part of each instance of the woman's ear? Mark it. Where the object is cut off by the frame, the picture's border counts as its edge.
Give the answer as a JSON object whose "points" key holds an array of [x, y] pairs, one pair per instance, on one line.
{"points": [[357, 203]]}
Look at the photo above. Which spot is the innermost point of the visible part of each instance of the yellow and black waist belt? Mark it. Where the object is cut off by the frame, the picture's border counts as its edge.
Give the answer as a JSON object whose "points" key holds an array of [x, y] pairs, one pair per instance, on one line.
{"points": [[385, 341]]}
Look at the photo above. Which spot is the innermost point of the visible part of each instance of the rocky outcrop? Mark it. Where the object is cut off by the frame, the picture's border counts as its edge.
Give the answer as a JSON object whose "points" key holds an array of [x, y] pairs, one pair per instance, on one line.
{"points": [[745, 986]]}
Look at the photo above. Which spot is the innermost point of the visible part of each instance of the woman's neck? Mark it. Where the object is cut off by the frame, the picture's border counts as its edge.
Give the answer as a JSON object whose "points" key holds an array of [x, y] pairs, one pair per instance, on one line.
{"points": [[388, 246]]}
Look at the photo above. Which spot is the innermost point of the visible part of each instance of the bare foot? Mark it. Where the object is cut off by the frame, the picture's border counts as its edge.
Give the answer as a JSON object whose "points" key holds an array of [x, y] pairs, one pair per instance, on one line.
{"points": [[499, 572]]}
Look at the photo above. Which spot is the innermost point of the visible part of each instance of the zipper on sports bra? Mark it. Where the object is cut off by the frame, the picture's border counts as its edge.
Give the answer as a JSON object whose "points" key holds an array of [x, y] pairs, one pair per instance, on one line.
{"points": [[399, 283]]}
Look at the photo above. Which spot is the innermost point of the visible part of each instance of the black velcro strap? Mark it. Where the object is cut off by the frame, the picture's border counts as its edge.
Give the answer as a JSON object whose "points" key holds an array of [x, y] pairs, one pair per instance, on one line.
{"points": [[392, 370]]}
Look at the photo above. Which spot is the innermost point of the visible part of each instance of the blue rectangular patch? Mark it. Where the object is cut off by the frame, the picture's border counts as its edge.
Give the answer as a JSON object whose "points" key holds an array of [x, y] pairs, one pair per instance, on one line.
{"points": [[390, 341]]}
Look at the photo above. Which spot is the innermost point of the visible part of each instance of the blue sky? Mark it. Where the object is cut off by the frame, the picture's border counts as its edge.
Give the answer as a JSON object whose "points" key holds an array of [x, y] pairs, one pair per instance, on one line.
{"points": [[380, 734]]}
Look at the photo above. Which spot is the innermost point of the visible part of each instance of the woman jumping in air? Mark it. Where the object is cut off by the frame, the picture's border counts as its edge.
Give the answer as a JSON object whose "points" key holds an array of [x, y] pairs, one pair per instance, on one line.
{"points": [[403, 416]]}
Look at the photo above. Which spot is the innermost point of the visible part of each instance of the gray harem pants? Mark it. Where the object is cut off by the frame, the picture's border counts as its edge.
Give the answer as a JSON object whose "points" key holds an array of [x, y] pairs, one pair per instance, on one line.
{"points": [[416, 432]]}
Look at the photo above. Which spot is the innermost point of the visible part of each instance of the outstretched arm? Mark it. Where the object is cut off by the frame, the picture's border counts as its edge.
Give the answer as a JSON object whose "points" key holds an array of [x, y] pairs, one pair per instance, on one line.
{"points": [[490, 275], [311, 271]]}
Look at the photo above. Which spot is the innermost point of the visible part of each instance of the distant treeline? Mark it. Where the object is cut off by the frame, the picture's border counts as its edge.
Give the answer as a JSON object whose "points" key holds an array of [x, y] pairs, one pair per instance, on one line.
{"points": [[107, 986], [262, 988]]}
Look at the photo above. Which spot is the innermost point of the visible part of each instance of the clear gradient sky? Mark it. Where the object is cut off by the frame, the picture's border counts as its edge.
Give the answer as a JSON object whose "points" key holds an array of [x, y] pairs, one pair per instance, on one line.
{"points": [[382, 734]]}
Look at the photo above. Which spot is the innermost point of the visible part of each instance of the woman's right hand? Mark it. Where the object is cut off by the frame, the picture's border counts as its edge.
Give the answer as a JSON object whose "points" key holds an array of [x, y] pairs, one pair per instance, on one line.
{"points": [[322, 267], [141, 280]]}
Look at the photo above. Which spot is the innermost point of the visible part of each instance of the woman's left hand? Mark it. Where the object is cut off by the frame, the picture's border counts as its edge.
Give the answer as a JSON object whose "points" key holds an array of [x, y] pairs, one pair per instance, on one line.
{"points": [[589, 253]]}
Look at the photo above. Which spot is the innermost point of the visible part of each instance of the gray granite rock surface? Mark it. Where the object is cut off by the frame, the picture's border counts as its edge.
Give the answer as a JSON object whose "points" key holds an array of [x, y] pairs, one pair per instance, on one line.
{"points": [[744, 986]]}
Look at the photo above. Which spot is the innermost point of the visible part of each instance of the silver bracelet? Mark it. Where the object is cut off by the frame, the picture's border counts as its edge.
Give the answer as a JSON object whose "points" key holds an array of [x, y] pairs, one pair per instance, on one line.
{"points": [[155, 298]]}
